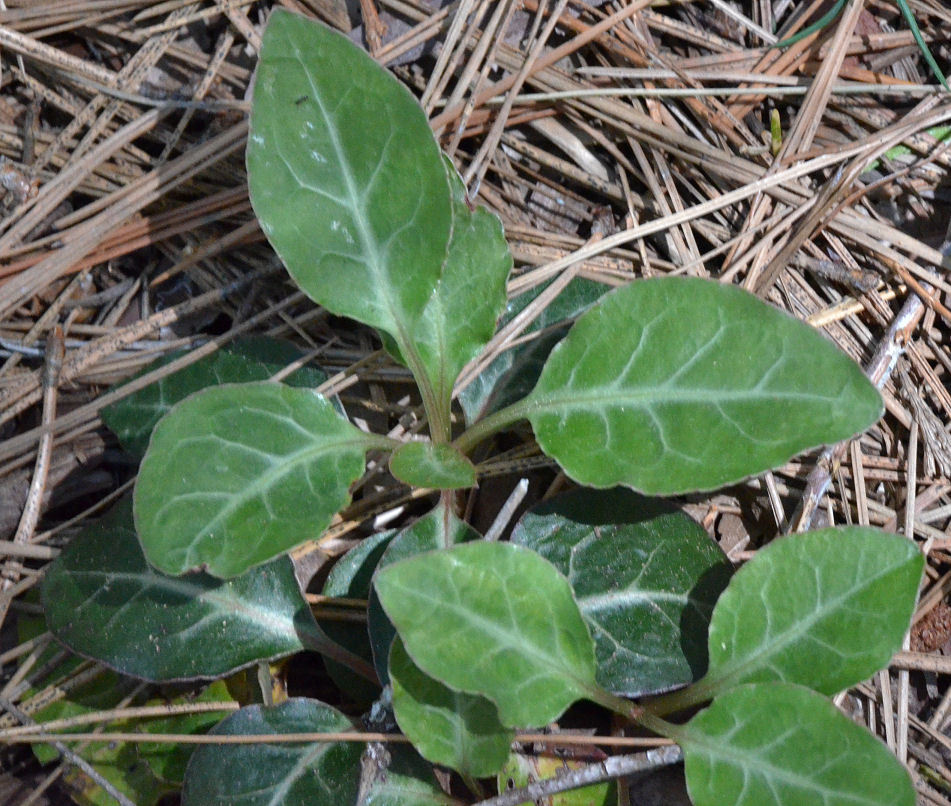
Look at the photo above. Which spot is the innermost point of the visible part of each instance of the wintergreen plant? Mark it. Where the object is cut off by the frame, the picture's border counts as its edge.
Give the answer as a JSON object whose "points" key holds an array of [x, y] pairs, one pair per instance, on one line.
{"points": [[664, 386]]}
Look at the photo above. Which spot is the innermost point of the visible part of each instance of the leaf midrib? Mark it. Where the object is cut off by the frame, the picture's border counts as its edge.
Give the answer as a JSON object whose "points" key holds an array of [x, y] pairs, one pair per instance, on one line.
{"points": [[367, 237], [542, 660], [265, 481], [716, 752], [798, 628], [606, 397], [218, 601]]}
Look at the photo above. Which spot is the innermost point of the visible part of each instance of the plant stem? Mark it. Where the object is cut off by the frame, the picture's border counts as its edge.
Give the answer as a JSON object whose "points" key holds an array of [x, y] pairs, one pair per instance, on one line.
{"points": [[437, 411], [317, 640], [484, 429], [636, 713], [699, 692]]}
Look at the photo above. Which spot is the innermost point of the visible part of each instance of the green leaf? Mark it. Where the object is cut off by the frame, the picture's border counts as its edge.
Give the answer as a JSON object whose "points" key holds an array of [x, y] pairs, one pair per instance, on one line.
{"points": [[350, 578], [645, 576], [167, 761], [679, 384], [823, 609], [775, 744], [514, 372], [406, 780], [276, 774], [250, 359], [238, 474], [451, 728], [493, 619], [460, 318], [345, 176], [521, 771], [437, 466], [437, 529], [104, 601]]}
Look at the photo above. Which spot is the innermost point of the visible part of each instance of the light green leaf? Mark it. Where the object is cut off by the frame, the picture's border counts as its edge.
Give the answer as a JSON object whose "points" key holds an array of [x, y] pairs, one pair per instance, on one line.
{"points": [[166, 760], [775, 744], [679, 384], [238, 474], [645, 576], [460, 317], [824, 609], [523, 770], [493, 619], [250, 359], [104, 601], [345, 176], [276, 774], [451, 728], [437, 466], [437, 529]]}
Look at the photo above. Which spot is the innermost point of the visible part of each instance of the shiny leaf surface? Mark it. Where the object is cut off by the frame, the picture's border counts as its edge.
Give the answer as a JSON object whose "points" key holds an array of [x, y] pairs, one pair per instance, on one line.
{"points": [[645, 576], [104, 601], [272, 773]]}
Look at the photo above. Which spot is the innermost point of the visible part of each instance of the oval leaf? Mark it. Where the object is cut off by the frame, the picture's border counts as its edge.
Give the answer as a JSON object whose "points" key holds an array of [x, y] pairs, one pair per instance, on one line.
{"points": [[351, 578], [645, 576], [437, 529], [775, 744], [824, 609], [678, 384], [238, 474], [452, 728], [104, 601], [493, 619], [276, 774], [460, 318], [345, 176], [440, 467], [251, 359]]}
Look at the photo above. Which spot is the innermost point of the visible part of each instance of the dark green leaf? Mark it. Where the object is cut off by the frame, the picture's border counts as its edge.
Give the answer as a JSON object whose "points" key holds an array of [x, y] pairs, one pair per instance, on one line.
{"points": [[645, 576], [167, 761], [451, 728], [513, 373], [435, 530], [678, 384], [493, 619], [238, 474], [276, 774], [350, 578], [824, 609], [250, 359], [437, 466], [775, 744], [345, 176], [103, 600], [407, 780]]}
